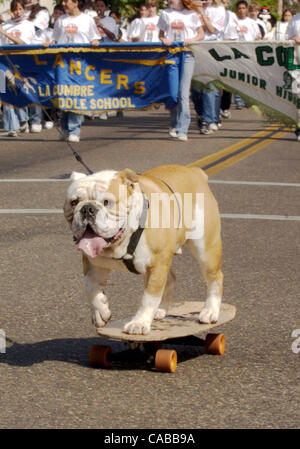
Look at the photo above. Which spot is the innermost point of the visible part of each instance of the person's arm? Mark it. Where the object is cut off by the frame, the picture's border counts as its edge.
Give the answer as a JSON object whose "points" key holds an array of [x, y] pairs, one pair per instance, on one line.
{"points": [[165, 40], [12, 38], [199, 36], [107, 31], [206, 21]]}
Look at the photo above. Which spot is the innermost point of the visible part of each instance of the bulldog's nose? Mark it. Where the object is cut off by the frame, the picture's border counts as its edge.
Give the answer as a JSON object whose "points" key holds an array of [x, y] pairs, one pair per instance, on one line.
{"points": [[88, 211]]}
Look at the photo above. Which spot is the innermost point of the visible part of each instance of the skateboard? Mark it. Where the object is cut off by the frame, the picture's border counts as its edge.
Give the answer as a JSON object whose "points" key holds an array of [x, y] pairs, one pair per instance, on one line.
{"points": [[180, 326]]}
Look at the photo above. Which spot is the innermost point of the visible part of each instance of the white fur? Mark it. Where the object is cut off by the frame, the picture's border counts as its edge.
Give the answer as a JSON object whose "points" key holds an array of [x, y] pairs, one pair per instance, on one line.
{"points": [[141, 322]]}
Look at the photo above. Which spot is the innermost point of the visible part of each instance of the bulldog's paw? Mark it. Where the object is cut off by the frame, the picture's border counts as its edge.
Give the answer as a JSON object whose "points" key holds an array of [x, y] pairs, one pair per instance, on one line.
{"points": [[100, 312], [160, 314], [137, 327], [209, 315]]}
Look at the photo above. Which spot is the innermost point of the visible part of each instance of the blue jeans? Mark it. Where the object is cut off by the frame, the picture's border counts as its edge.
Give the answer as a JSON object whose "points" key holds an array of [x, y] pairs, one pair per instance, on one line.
{"points": [[71, 122], [239, 101], [211, 105], [13, 117], [180, 116], [35, 115]]}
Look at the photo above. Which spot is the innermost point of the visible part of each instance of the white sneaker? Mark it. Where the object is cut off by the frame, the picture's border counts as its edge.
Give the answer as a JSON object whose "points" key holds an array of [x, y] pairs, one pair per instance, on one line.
{"points": [[226, 114], [12, 134], [103, 116], [173, 132], [36, 128], [73, 138], [213, 127], [24, 128], [182, 137], [48, 125]]}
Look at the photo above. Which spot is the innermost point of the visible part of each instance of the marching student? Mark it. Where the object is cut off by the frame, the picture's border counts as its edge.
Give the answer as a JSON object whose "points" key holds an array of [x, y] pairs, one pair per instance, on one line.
{"points": [[213, 16], [17, 31], [176, 23], [134, 27], [74, 27], [279, 30], [248, 31], [147, 30], [107, 27]]}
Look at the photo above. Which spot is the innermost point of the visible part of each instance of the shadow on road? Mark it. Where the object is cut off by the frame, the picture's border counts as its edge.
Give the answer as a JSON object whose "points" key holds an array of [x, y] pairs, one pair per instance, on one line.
{"points": [[76, 351]]}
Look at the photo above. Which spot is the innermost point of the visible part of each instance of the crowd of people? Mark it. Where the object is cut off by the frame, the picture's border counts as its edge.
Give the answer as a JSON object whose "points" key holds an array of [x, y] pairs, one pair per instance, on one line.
{"points": [[79, 21]]}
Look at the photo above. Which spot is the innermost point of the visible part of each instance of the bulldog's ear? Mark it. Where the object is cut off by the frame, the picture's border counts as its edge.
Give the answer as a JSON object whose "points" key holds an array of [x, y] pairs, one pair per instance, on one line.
{"points": [[128, 176], [75, 176]]}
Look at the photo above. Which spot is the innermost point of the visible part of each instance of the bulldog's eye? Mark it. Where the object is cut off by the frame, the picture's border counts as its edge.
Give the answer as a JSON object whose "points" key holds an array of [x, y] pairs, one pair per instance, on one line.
{"points": [[107, 203], [74, 203]]}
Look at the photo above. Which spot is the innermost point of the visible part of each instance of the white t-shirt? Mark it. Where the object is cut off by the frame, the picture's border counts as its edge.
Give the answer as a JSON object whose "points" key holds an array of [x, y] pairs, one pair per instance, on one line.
{"points": [[23, 30], [110, 24], [231, 28], [278, 32], [216, 15], [148, 29], [43, 36], [248, 30], [293, 28], [79, 30], [179, 25], [134, 29], [42, 19]]}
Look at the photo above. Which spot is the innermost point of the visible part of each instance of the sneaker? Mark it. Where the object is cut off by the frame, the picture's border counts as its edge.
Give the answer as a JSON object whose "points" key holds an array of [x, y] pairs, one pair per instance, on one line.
{"points": [[48, 125], [103, 116], [226, 114], [239, 107], [173, 132], [205, 129], [12, 134], [182, 137], [73, 138], [36, 128], [213, 127], [24, 127]]}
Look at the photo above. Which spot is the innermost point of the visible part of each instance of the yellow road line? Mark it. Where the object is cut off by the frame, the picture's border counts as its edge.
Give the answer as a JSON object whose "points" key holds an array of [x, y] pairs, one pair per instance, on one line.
{"points": [[240, 150]]}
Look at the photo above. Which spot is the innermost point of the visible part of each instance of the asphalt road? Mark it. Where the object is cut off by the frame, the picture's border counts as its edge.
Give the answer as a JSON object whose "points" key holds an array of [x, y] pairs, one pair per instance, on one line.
{"points": [[45, 378]]}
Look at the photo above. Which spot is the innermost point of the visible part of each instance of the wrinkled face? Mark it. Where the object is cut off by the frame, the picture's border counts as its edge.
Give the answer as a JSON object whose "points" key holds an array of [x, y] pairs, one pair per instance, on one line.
{"points": [[98, 209]]}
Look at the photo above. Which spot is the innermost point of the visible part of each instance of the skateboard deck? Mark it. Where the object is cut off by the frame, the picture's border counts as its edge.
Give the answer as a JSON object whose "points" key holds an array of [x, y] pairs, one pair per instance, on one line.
{"points": [[181, 321]]}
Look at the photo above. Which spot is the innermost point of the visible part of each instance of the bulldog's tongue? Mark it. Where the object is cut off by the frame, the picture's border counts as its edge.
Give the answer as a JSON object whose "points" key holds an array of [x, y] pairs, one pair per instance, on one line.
{"points": [[91, 244]]}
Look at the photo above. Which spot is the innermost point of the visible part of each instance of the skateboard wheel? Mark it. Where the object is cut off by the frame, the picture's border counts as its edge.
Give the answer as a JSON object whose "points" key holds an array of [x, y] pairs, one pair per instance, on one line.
{"points": [[99, 356], [166, 360], [215, 344]]}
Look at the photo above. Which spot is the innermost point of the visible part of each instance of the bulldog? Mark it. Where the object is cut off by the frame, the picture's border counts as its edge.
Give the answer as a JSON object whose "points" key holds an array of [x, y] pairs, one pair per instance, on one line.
{"points": [[137, 222]]}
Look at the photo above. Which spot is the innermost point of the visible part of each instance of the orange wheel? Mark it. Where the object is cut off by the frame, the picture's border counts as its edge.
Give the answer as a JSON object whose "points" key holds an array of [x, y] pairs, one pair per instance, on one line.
{"points": [[99, 356], [215, 344], [166, 360]]}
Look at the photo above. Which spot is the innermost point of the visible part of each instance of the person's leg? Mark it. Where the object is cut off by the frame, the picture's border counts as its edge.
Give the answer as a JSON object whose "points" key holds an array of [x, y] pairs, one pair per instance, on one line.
{"points": [[35, 118], [10, 119], [208, 110], [183, 110]]}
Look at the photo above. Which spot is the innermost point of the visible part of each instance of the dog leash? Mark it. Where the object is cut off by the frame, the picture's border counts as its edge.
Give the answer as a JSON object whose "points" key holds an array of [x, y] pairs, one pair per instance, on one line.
{"points": [[75, 154]]}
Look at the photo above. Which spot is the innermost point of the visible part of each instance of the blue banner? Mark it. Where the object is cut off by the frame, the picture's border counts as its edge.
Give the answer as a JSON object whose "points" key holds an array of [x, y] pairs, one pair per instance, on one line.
{"points": [[84, 79]]}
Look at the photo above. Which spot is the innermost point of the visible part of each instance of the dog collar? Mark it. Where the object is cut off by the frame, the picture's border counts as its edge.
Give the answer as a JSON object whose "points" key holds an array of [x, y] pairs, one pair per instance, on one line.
{"points": [[135, 238]]}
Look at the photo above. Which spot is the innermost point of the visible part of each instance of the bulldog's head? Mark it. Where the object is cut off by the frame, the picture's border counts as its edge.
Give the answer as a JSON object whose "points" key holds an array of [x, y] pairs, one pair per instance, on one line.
{"points": [[102, 209]]}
